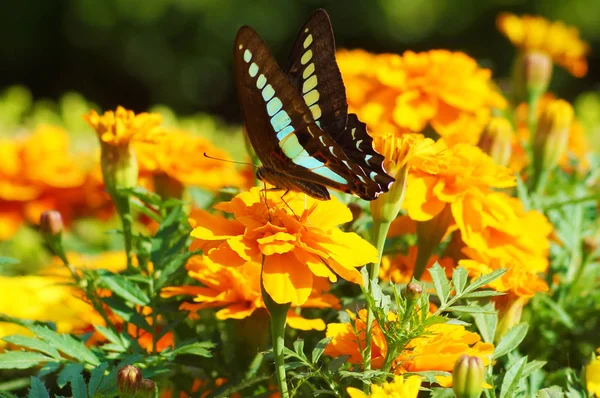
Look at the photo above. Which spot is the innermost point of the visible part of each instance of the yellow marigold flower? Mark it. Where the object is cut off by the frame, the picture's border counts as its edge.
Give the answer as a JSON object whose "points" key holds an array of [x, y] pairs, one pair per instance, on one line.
{"points": [[592, 376], [459, 170], [121, 127], [237, 289], [400, 267], [497, 226], [293, 248], [561, 42], [350, 339], [179, 155], [396, 94], [399, 388]]}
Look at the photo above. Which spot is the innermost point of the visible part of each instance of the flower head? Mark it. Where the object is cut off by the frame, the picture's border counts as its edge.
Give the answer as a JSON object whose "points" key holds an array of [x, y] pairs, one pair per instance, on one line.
{"points": [[237, 290], [592, 376], [396, 94], [561, 42], [123, 126], [294, 242], [399, 388]]}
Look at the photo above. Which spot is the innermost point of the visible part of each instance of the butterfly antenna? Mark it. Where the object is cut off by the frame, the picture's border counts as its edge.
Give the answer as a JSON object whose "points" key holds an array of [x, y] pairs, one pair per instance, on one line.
{"points": [[230, 161]]}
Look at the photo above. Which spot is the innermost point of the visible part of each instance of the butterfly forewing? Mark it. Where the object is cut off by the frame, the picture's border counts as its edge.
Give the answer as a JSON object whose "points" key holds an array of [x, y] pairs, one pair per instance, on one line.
{"points": [[312, 69]]}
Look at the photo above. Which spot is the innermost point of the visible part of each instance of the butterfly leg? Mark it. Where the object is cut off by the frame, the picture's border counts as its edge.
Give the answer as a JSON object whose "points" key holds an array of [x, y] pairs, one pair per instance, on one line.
{"points": [[287, 204]]}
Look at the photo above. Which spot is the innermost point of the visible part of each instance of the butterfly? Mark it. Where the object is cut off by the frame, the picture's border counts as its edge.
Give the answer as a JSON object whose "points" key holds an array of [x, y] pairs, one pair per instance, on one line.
{"points": [[297, 118]]}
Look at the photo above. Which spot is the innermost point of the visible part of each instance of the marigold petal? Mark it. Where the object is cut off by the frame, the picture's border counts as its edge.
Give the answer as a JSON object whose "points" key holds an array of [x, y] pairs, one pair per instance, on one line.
{"points": [[236, 311], [298, 322], [286, 280], [209, 227]]}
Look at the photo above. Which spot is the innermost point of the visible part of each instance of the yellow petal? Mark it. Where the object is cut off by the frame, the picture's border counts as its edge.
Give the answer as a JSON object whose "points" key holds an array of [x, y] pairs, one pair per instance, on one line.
{"points": [[286, 280]]}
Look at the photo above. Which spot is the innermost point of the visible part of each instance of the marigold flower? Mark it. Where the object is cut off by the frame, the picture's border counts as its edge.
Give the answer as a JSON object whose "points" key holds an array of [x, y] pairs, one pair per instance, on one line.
{"points": [[561, 42], [457, 171], [121, 127], [400, 267], [438, 349], [399, 388], [592, 376], [179, 155], [396, 94], [237, 289], [293, 248]]}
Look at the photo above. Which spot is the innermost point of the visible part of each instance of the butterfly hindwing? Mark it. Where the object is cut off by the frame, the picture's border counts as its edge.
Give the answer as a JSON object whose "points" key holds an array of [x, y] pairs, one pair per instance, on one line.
{"points": [[312, 68]]}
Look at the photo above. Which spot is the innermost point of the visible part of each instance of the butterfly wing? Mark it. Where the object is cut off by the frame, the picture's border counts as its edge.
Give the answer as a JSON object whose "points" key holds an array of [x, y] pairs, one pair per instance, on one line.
{"points": [[312, 68]]}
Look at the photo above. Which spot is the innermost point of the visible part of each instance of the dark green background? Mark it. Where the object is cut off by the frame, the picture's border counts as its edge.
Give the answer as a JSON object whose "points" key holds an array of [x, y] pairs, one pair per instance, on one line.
{"points": [[138, 53]]}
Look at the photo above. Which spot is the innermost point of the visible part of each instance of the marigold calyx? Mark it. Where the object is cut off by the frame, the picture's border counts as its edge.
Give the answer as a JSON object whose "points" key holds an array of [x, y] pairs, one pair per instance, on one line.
{"points": [[129, 379], [496, 140], [551, 135], [51, 224], [468, 377]]}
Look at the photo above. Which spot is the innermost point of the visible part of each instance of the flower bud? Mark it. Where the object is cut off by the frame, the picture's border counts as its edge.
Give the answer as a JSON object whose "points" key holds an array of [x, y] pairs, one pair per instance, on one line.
{"points": [[536, 72], [146, 389], [51, 224], [551, 136], [468, 377], [119, 167], [496, 140], [413, 291], [129, 379]]}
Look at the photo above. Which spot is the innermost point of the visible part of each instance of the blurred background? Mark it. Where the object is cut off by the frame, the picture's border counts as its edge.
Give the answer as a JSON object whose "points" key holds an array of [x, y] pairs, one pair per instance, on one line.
{"points": [[139, 53]]}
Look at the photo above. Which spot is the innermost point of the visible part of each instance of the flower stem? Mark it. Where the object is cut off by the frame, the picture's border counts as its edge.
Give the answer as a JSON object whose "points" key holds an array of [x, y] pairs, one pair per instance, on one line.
{"points": [[380, 231], [123, 205], [278, 319]]}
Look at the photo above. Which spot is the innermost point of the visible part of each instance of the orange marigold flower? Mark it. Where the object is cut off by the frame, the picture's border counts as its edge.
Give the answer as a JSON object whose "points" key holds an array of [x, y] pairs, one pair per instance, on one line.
{"points": [[293, 248], [179, 155], [121, 127], [350, 339], [400, 267], [399, 388], [459, 170], [396, 94], [438, 349], [561, 42], [237, 289], [441, 347]]}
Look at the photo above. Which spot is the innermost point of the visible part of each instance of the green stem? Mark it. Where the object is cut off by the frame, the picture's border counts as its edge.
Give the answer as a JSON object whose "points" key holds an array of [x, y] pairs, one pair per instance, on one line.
{"points": [[123, 205], [278, 319], [380, 231]]}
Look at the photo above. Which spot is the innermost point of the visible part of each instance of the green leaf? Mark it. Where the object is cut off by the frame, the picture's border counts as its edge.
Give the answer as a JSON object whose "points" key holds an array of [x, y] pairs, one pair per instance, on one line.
{"points": [[113, 337], [66, 344], [69, 373], [37, 389], [440, 283], [6, 394], [559, 312], [337, 363], [8, 261], [96, 376], [550, 392], [459, 279], [119, 307], [470, 309], [33, 344], [482, 293], [512, 378], [143, 194], [511, 340], [199, 349], [126, 289], [299, 349], [486, 323], [532, 366], [442, 393], [485, 279], [319, 349], [22, 359]]}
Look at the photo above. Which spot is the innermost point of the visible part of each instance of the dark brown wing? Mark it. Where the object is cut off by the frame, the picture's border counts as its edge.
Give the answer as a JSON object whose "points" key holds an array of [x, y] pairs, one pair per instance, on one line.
{"points": [[312, 69]]}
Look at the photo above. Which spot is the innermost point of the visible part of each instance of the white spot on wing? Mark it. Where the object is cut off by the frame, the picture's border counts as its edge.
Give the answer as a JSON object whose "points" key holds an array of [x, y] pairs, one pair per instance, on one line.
{"points": [[306, 57]]}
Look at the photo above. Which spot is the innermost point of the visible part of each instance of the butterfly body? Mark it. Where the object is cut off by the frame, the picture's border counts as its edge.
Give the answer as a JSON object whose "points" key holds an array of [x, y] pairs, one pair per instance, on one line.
{"points": [[297, 121]]}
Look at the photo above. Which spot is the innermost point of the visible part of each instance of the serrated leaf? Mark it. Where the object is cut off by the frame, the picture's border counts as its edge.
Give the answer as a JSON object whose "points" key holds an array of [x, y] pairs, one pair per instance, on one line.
{"points": [[511, 340], [440, 283], [439, 392], [319, 349], [486, 323], [111, 336], [512, 378], [470, 309], [337, 363], [22, 359], [550, 392], [485, 279], [532, 366], [299, 348], [142, 194], [68, 373], [49, 368], [66, 344], [459, 279], [6, 394], [559, 312], [96, 376], [128, 314], [199, 349], [482, 293], [126, 289], [37, 389], [33, 344]]}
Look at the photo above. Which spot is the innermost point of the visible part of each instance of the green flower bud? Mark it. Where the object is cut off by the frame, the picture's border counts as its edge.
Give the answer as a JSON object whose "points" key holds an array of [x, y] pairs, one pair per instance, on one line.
{"points": [[51, 224], [147, 389], [496, 140], [413, 291], [129, 379], [468, 377]]}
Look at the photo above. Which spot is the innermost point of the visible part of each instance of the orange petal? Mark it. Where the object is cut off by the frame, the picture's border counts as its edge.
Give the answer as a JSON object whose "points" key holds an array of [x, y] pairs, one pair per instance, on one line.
{"points": [[297, 322], [286, 280]]}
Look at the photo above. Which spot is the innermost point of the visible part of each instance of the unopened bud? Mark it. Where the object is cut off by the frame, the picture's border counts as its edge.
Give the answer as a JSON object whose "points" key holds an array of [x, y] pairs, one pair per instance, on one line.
{"points": [[51, 224], [413, 291], [551, 136], [119, 167], [536, 69], [129, 379], [147, 389], [468, 377], [496, 140]]}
